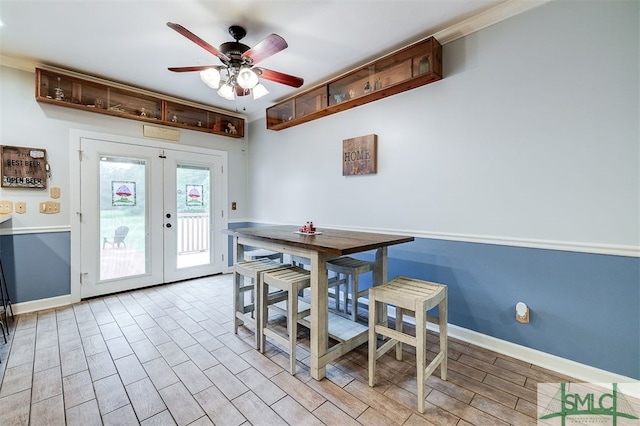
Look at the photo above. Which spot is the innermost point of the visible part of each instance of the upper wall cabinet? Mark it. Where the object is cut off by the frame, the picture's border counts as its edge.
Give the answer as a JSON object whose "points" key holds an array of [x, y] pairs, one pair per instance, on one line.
{"points": [[127, 102], [406, 69]]}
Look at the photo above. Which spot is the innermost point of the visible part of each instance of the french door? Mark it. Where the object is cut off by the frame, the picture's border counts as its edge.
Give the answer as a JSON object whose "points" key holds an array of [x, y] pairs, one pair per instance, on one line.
{"points": [[148, 215]]}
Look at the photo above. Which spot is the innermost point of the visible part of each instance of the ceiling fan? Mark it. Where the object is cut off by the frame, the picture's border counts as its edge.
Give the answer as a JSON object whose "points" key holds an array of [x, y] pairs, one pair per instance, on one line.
{"points": [[238, 63]]}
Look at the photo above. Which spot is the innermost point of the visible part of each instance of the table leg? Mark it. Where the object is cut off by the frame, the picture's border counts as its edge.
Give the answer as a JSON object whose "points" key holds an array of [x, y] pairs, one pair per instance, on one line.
{"points": [[380, 278], [319, 314], [380, 271], [238, 251]]}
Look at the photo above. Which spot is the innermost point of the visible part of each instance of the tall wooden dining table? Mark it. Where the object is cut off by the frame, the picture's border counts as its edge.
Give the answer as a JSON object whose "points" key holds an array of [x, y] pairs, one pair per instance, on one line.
{"points": [[318, 248]]}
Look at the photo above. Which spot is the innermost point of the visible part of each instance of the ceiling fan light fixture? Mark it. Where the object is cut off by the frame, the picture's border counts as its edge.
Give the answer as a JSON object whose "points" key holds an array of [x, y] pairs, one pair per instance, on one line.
{"points": [[226, 91], [247, 79], [211, 77], [259, 91], [240, 78]]}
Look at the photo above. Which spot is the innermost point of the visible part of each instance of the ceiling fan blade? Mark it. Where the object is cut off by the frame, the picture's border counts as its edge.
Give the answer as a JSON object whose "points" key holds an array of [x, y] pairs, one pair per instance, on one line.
{"points": [[193, 68], [279, 77], [197, 40], [271, 45]]}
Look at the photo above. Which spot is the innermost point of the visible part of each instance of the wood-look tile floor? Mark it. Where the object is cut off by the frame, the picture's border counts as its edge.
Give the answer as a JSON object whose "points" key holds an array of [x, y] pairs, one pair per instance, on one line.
{"points": [[168, 355]]}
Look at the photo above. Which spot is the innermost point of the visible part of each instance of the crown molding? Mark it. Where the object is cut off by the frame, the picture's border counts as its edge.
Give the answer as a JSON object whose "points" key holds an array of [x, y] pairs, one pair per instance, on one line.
{"points": [[22, 64], [499, 13]]}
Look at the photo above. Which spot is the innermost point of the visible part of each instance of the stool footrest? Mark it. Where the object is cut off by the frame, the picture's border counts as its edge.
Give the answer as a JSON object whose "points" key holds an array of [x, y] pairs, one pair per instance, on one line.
{"points": [[386, 346], [398, 336], [303, 308], [434, 364]]}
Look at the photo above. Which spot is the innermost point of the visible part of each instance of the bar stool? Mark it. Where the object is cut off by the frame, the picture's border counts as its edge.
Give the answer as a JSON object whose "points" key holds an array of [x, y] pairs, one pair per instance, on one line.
{"points": [[335, 282], [348, 270], [291, 280], [414, 298], [248, 313]]}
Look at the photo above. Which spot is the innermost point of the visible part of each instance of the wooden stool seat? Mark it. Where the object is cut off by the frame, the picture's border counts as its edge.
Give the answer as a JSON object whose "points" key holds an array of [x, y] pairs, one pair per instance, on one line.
{"points": [[291, 280], [249, 312], [411, 297], [351, 269]]}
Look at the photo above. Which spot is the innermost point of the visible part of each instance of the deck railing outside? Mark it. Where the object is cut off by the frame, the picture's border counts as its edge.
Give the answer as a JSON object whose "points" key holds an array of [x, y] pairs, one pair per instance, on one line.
{"points": [[193, 232]]}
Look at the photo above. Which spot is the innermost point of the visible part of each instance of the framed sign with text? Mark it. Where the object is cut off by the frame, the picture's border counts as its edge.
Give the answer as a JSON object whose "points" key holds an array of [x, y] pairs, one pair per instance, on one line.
{"points": [[359, 155], [24, 167]]}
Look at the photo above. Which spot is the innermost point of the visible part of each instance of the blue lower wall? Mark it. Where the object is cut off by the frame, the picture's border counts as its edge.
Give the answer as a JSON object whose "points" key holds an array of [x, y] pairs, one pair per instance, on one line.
{"points": [[584, 307], [36, 266]]}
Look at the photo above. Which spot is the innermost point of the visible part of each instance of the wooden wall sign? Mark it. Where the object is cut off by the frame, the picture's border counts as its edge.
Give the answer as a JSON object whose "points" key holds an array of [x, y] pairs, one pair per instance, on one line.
{"points": [[359, 155], [24, 167]]}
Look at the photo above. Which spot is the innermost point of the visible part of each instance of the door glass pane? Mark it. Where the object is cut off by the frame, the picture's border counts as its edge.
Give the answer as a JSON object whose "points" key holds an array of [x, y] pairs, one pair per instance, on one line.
{"points": [[123, 217], [193, 195]]}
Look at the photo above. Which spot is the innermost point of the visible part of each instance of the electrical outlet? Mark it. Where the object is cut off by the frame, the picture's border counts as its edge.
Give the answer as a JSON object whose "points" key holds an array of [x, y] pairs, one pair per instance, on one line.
{"points": [[522, 313], [21, 207], [6, 207]]}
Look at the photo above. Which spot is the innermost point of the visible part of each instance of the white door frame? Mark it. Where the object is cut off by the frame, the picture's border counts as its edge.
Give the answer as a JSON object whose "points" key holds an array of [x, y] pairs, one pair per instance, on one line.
{"points": [[75, 138]]}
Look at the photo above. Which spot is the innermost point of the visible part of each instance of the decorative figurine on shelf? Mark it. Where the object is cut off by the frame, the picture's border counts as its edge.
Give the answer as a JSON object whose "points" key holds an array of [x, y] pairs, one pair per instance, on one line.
{"points": [[216, 127], [59, 92], [424, 66], [367, 88], [231, 129], [339, 97], [377, 85], [143, 112], [352, 93], [98, 103], [174, 119], [199, 123]]}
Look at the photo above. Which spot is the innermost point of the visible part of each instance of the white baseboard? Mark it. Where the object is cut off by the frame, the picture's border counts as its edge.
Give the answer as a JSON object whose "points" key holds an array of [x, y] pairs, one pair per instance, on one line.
{"points": [[41, 304], [555, 363]]}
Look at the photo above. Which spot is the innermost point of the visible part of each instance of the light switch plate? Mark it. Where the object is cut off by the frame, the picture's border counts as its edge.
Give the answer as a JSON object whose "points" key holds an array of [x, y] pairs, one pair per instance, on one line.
{"points": [[6, 207], [55, 192]]}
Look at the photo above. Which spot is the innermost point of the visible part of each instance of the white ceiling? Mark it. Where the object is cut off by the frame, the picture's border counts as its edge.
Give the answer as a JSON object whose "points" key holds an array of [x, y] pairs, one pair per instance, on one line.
{"points": [[129, 42]]}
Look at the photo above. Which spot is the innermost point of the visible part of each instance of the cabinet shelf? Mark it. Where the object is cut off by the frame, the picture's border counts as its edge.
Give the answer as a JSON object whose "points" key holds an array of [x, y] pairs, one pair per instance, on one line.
{"points": [[406, 69], [103, 97]]}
